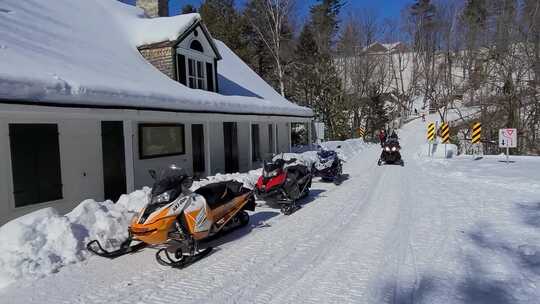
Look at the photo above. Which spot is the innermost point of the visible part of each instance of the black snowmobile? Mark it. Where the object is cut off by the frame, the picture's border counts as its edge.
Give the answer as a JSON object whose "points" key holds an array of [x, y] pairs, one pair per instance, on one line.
{"points": [[284, 185], [390, 153]]}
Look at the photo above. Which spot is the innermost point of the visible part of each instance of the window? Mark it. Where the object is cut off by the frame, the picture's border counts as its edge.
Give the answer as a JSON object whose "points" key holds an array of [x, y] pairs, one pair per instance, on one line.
{"points": [[299, 134], [196, 78], [255, 144], [197, 46], [157, 140], [35, 163]]}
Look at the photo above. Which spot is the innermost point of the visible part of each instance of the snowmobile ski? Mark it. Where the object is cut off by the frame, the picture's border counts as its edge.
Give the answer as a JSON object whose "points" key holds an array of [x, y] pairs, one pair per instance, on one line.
{"points": [[125, 248], [178, 259], [288, 209]]}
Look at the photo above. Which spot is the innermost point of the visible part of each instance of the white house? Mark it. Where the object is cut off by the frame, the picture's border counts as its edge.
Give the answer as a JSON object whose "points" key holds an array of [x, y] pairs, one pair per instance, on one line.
{"points": [[93, 94]]}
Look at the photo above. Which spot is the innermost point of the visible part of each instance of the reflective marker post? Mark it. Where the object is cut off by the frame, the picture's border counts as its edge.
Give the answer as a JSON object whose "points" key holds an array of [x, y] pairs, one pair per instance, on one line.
{"points": [[430, 136]]}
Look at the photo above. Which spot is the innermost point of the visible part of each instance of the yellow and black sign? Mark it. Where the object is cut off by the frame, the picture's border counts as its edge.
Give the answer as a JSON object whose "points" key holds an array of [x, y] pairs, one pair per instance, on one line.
{"points": [[361, 132], [445, 133], [431, 131], [476, 133]]}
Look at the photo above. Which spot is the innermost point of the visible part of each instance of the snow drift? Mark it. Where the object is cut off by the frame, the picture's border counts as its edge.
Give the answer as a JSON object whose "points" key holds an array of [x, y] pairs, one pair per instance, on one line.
{"points": [[42, 242]]}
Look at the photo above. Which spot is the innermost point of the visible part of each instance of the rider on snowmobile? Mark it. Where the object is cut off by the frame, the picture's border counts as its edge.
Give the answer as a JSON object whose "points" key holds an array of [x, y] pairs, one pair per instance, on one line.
{"points": [[382, 136]]}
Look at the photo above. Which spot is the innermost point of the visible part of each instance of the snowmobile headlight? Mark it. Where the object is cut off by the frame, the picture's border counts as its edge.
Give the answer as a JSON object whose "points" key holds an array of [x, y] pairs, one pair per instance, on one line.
{"points": [[394, 148], [387, 148], [163, 197]]}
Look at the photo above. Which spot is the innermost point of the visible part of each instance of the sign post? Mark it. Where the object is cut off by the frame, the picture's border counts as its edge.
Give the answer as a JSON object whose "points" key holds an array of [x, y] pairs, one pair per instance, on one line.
{"points": [[507, 139]]}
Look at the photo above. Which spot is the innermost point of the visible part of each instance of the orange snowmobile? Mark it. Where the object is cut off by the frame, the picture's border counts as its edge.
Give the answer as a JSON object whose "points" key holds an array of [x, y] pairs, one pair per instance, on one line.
{"points": [[176, 219]]}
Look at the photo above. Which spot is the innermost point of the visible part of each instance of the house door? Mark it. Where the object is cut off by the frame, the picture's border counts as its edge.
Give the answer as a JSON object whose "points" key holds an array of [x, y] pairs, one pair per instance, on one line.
{"points": [[230, 137], [114, 164], [197, 138]]}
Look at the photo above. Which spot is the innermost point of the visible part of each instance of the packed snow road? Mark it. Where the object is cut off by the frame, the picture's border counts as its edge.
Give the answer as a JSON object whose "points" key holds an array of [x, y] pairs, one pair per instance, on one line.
{"points": [[434, 231]]}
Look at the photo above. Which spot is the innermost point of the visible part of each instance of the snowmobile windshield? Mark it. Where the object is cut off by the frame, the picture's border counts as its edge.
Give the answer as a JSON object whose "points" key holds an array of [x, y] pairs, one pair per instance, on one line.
{"points": [[392, 142], [273, 168], [170, 183], [327, 154]]}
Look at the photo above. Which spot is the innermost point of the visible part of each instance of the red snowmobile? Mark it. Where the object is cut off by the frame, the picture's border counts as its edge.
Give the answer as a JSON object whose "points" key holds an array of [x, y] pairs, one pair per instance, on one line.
{"points": [[284, 185]]}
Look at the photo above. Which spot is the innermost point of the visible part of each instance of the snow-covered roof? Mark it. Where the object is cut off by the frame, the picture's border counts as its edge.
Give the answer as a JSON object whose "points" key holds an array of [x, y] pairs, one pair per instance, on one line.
{"points": [[84, 52], [386, 47]]}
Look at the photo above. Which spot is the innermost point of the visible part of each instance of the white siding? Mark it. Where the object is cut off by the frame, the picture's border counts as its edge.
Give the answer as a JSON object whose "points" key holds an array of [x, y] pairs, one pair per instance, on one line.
{"points": [[284, 137], [80, 158], [81, 150]]}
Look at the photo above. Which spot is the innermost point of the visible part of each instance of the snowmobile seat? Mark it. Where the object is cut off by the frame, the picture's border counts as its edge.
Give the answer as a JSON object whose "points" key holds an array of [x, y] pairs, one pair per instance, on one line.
{"points": [[298, 170], [217, 194]]}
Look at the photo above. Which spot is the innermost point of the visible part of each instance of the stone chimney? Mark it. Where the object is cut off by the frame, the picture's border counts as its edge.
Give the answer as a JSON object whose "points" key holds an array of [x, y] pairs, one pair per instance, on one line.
{"points": [[154, 8]]}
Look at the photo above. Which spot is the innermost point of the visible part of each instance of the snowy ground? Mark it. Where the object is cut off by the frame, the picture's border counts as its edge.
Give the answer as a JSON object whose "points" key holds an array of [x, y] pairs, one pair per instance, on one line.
{"points": [[434, 231]]}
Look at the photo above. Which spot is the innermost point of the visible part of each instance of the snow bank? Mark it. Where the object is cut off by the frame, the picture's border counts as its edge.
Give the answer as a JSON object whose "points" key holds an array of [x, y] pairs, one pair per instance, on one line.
{"points": [[42, 242], [439, 150], [249, 179]]}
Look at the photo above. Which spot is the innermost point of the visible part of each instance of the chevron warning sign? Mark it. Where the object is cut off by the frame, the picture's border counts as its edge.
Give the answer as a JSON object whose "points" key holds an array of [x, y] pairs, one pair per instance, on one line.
{"points": [[361, 132], [431, 131], [445, 133], [476, 133]]}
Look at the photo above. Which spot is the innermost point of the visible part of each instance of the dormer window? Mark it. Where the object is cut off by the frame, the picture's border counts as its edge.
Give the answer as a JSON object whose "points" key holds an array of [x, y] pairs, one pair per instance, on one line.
{"points": [[196, 63]]}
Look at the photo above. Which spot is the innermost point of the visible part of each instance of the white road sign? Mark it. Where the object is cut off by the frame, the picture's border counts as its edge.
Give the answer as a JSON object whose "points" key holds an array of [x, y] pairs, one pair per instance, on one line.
{"points": [[507, 138]]}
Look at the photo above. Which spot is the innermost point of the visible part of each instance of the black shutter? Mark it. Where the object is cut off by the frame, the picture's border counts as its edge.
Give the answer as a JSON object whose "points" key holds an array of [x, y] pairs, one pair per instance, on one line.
{"points": [[255, 145], [271, 138], [216, 77], [35, 161], [181, 66], [210, 77]]}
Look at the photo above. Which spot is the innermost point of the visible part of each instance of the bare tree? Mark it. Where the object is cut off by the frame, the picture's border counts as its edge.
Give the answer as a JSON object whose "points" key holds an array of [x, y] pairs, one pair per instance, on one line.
{"points": [[269, 18]]}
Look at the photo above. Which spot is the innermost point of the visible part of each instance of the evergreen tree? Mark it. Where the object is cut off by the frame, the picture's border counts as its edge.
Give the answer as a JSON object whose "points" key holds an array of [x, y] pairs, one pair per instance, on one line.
{"points": [[225, 24], [475, 13], [316, 80], [304, 72], [259, 59], [325, 19]]}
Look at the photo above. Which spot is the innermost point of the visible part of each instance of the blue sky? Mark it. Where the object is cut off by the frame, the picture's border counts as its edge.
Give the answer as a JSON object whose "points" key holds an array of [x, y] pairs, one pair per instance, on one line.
{"points": [[384, 8]]}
